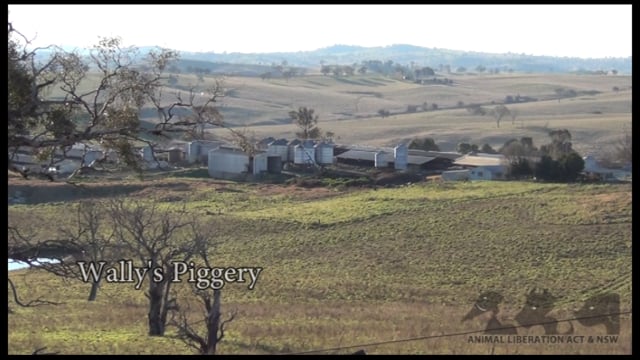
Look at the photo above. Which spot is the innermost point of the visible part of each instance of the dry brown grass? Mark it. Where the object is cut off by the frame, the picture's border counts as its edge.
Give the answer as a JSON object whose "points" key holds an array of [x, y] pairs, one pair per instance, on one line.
{"points": [[115, 324], [594, 120], [390, 264], [348, 107]]}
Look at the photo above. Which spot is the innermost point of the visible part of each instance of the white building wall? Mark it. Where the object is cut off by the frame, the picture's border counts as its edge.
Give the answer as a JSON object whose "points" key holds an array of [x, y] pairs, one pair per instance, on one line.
{"points": [[401, 157], [487, 173], [303, 155], [281, 150], [380, 160], [198, 150], [225, 163], [455, 175], [193, 150], [324, 153], [260, 163]]}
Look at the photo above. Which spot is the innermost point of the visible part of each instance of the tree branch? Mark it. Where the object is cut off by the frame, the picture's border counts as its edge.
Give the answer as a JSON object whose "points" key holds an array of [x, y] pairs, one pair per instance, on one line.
{"points": [[32, 303]]}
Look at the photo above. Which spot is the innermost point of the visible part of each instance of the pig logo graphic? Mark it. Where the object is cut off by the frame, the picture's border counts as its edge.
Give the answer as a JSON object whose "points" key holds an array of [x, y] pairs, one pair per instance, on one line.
{"points": [[535, 312], [488, 302], [603, 309]]}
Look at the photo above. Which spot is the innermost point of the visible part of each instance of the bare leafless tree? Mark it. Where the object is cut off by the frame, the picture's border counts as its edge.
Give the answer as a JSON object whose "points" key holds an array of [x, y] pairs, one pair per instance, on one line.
{"points": [[15, 252], [88, 238], [30, 303], [40, 351], [153, 236], [202, 106], [106, 111], [95, 236], [205, 342], [245, 140]]}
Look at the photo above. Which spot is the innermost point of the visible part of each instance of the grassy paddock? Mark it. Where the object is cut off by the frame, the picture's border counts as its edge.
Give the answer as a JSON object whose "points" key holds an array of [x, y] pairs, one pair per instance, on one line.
{"points": [[353, 267], [349, 107]]}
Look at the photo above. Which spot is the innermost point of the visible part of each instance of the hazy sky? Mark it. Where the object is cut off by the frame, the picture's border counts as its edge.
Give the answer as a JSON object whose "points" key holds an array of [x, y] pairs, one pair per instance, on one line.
{"points": [[556, 30]]}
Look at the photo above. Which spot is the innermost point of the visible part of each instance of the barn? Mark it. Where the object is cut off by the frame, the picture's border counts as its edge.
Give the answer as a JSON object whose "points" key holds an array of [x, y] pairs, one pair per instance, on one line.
{"points": [[483, 166], [234, 164]]}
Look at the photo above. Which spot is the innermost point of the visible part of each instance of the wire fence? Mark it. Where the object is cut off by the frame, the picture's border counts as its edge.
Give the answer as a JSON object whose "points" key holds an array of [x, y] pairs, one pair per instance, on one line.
{"points": [[494, 330]]}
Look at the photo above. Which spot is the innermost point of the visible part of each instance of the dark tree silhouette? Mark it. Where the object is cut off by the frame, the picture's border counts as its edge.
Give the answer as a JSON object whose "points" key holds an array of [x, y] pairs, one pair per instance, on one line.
{"points": [[150, 235], [211, 300]]}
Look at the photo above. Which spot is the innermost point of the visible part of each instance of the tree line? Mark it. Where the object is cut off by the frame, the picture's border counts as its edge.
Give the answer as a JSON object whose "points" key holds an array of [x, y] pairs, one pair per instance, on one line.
{"points": [[555, 161]]}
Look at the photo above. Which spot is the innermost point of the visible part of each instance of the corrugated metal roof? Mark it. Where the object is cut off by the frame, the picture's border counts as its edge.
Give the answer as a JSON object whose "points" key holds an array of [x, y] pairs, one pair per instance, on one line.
{"points": [[358, 155], [208, 142], [455, 171], [279, 142], [481, 160], [418, 160], [436, 154], [367, 155], [323, 144], [229, 150], [491, 168], [266, 141]]}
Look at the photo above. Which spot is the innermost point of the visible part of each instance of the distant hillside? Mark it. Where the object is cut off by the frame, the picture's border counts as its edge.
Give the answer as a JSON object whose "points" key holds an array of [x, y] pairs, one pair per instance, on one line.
{"points": [[401, 54], [420, 56]]}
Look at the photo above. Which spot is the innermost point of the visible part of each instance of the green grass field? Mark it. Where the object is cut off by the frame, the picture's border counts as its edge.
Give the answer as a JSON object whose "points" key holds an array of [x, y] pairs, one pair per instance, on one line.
{"points": [[344, 268]]}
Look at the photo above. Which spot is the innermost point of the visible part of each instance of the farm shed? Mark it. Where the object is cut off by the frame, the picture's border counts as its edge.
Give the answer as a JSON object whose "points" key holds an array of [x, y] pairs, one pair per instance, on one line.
{"points": [[264, 143], [259, 163], [362, 157], [304, 153], [480, 159], [146, 153], [591, 167], [198, 150], [487, 173], [484, 166], [324, 153], [80, 150], [233, 163], [227, 163], [292, 149], [381, 159], [174, 155], [401, 157], [279, 147], [61, 165], [274, 164], [455, 175], [441, 160]]}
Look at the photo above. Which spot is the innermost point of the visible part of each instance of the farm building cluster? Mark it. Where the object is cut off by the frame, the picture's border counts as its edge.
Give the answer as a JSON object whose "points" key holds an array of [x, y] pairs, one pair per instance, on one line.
{"points": [[275, 156]]}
